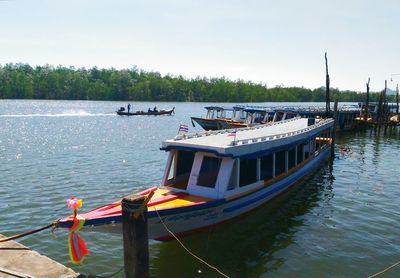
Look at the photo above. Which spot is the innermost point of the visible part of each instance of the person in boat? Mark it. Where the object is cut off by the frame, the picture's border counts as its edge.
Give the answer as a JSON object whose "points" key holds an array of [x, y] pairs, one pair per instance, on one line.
{"points": [[149, 110], [129, 107], [155, 109]]}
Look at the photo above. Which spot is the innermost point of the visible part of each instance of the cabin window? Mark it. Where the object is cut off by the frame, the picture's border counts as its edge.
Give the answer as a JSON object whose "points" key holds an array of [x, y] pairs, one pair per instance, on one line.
{"points": [[322, 139], [290, 116], [233, 179], [280, 162], [259, 118], [266, 167], [299, 154], [318, 141], [313, 145], [278, 116], [306, 148], [239, 115], [209, 171], [292, 156], [181, 167], [248, 171]]}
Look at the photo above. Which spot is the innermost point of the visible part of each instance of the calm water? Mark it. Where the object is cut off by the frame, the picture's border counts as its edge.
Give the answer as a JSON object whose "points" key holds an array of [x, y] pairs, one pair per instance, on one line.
{"points": [[342, 222]]}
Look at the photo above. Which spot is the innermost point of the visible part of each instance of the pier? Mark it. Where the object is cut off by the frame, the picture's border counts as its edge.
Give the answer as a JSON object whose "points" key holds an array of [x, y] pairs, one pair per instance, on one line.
{"points": [[17, 260]]}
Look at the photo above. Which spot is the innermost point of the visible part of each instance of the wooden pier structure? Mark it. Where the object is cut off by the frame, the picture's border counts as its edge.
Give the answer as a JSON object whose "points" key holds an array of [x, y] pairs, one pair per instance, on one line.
{"points": [[17, 260]]}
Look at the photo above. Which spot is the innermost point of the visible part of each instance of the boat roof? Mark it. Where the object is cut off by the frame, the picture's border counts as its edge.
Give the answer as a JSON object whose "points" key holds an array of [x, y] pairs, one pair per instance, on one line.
{"points": [[249, 141], [318, 109], [218, 108], [260, 110]]}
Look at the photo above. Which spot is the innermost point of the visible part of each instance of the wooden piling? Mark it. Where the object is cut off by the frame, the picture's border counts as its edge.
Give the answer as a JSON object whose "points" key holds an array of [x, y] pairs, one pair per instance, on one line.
{"points": [[386, 109], [135, 236], [327, 96], [397, 99], [367, 103], [335, 118]]}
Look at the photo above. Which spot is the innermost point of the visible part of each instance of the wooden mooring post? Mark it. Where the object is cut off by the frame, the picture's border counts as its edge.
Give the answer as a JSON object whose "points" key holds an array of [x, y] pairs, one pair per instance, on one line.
{"points": [[366, 111], [135, 235], [335, 118], [327, 95]]}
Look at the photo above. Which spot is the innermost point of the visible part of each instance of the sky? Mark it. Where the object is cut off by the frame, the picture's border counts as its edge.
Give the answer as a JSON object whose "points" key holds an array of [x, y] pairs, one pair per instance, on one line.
{"points": [[277, 43]]}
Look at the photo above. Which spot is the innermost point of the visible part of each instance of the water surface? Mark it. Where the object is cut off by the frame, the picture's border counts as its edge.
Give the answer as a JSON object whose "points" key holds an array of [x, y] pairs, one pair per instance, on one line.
{"points": [[341, 222]]}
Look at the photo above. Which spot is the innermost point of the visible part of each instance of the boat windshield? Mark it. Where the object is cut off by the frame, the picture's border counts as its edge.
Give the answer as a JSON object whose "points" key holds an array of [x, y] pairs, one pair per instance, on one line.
{"points": [[209, 171], [180, 168]]}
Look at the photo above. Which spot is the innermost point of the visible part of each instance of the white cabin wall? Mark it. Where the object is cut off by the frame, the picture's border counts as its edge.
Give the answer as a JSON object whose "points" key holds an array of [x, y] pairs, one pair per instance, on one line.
{"points": [[224, 176], [198, 158]]}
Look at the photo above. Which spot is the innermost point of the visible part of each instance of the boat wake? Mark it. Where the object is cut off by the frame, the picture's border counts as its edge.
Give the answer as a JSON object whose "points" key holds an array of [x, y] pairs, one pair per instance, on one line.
{"points": [[69, 113]]}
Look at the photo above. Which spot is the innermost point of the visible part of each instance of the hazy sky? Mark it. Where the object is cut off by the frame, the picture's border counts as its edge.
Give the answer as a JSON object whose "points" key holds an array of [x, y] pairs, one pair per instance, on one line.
{"points": [[273, 42]]}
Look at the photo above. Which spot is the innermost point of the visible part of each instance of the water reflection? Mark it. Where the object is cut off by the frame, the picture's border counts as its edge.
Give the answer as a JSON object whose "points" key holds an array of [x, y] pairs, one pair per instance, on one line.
{"points": [[250, 246]]}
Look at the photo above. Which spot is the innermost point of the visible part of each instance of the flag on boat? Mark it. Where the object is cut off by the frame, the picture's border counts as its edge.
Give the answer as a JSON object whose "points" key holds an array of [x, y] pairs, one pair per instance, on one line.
{"points": [[183, 128]]}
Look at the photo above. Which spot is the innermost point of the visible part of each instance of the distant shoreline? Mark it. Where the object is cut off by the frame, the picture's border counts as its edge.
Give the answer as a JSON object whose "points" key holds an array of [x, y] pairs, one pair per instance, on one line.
{"points": [[21, 81]]}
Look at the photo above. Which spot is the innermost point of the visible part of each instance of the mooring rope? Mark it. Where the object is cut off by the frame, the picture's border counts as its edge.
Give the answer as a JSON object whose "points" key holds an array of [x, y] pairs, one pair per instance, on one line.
{"points": [[54, 224], [383, 271], [187, 250]]}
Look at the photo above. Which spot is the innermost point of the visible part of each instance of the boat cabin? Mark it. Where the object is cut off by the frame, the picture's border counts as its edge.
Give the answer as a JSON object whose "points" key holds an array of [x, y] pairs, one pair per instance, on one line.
{"points": [[256, 116], [239, 113], [284, 114], [217, 165], [216, 112]]}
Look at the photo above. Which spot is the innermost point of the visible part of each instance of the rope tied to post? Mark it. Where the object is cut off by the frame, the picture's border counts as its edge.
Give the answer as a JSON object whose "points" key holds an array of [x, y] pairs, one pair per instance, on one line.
{"points": [[138, 209], [52, 225]]}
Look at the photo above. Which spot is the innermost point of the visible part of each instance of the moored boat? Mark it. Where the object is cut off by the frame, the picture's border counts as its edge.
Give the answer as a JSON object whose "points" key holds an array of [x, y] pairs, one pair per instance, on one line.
{"points": [[219, 117], [253, 117], [215, 176], [346, 115]]}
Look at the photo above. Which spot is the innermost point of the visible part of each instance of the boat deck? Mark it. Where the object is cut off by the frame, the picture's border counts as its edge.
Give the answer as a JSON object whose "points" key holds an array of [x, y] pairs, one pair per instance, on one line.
{"points": [[162, 199], [174, 200]]}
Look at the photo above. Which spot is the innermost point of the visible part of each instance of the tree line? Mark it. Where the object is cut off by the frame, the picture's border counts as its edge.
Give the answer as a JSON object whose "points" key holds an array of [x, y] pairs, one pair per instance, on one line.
{"points": [[21, 81]]}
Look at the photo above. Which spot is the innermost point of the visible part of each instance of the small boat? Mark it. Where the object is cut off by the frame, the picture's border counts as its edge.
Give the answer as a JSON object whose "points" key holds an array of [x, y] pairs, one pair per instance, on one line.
{"points": [[121, 111], [216, 176]]}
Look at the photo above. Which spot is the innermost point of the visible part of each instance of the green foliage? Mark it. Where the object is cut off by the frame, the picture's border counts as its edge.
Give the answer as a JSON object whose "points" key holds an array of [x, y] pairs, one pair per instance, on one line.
{"points": [[21, 81]]}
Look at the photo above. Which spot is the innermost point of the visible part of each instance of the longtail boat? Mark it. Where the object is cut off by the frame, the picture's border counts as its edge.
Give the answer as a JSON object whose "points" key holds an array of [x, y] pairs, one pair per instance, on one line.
{"points": [[122, 112], [215, 176], [219, 117]]}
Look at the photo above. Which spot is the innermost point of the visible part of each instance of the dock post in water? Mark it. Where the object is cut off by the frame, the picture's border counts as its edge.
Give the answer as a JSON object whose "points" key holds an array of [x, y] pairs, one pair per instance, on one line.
{"points": [[367, 103], [385, 109], [327, 96], [335, 118], [135, 235], [397, 99]]}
